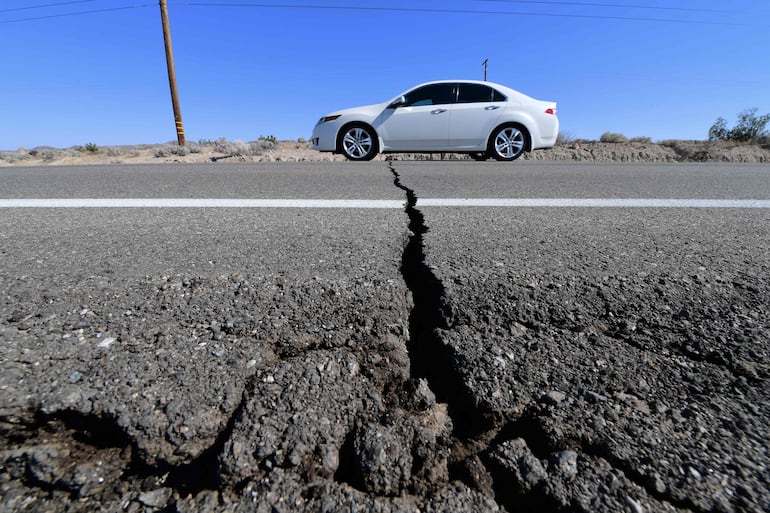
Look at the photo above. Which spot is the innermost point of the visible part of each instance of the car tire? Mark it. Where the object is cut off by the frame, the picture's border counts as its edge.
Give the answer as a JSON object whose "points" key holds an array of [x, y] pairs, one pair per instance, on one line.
{"points": [[479, 156], [357, 142], [508, 142]]}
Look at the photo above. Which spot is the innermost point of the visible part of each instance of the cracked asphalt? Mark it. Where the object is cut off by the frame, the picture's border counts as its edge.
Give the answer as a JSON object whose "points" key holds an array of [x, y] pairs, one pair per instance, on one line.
{"points": [[426, 359]]}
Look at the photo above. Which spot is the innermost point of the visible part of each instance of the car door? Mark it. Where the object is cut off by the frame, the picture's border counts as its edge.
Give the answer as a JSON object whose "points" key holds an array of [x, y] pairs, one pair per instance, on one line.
{"points": [[475, 114], [422, 122]]}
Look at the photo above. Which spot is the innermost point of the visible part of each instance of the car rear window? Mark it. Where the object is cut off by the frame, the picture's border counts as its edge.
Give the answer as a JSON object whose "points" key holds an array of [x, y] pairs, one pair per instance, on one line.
{"points": [[478, 93]]}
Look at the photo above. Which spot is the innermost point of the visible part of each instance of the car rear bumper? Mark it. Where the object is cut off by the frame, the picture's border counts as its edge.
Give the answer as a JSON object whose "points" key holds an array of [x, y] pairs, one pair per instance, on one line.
{"points": [[549, 131]]}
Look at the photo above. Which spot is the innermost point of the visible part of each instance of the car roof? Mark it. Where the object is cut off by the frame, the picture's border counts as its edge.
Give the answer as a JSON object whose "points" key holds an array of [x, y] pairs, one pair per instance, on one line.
{"points": [[505, 89], [461, 81]]}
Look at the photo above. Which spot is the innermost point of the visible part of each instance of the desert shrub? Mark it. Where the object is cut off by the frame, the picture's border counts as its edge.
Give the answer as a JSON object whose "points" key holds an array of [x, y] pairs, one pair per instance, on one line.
{"points": [[263, 144], [302, 140], [564, 138], [642, 140], [113, 151], [14, 156], [242, 149], [750, 127], [91, 147], [180, 151], [172, 149], [46, 155], [222, 145], [610, 137]]}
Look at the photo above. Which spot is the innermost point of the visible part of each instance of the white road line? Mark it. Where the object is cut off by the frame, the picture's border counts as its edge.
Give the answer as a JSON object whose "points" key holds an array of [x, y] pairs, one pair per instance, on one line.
{"points": [[593, 202], [197, 203], [382, 204]]}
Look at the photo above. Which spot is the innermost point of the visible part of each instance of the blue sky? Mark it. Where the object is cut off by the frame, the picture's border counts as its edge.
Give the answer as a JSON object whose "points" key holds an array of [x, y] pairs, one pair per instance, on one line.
{"points": [[245, 71]]}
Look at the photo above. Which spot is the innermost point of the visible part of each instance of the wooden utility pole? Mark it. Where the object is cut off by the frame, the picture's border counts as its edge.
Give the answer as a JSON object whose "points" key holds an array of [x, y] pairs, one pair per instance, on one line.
{"points": [[485, 68], [171, 73]]}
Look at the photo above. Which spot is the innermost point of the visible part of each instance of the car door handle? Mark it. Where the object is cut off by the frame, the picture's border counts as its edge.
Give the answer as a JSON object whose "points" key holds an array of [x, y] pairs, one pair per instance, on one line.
{"points": [[437, 111], [492, 107]]}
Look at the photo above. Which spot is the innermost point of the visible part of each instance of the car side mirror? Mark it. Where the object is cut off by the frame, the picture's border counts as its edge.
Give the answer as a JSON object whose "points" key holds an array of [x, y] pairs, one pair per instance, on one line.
{"points": [[398, 102]]}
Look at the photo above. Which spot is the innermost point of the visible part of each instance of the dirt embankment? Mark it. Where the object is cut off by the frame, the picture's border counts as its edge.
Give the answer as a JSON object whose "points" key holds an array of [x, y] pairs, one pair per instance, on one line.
{"points": [[667, 151], [300, 151]]}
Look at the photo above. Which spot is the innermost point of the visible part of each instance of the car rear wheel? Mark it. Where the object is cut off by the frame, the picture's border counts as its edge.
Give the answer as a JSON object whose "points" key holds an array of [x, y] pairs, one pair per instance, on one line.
{"points": [[358, 142], [507, 143]]}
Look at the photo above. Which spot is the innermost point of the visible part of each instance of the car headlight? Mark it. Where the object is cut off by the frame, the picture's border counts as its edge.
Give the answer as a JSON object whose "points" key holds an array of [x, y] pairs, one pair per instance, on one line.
{"points": [[329, 118]]}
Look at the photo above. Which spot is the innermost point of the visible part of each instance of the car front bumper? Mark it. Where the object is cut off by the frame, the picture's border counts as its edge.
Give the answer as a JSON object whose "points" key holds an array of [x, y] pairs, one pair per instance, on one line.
{"points": [[324, 137]]}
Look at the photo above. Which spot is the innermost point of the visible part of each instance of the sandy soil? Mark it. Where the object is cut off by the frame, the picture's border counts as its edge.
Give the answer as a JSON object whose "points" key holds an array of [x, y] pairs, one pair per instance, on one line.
{"points": [[300, 151]]}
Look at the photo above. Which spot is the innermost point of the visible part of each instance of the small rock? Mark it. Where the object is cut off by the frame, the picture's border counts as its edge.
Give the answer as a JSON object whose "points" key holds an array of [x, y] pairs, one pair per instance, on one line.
{"points": [[155, 498], [553, 397], [522, 468], [634, 506], [657, 483], [422, 396], [107, 342], [517, 330], [627, 326], [594, 397], [564, 462], [75, 377]]}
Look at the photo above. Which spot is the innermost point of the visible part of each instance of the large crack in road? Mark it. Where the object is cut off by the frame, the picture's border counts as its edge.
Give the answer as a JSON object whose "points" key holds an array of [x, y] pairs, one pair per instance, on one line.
{"points": [[481, 438]]}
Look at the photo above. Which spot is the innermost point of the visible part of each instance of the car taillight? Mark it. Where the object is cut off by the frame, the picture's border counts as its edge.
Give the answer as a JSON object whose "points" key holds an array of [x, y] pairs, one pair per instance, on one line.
{"points": [[551, 111]]}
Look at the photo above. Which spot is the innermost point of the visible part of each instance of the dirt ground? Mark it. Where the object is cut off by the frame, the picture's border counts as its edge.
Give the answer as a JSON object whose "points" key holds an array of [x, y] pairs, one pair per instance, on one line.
{"points": [[300, 151]]}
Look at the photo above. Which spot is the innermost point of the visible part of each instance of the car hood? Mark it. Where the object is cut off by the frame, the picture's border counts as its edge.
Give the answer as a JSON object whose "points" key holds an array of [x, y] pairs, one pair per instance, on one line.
{"points": [[369, 111]]}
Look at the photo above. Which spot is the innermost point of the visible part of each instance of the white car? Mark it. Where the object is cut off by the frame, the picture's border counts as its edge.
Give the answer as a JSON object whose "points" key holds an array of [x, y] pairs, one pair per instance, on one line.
{"points": [[461, 116]]}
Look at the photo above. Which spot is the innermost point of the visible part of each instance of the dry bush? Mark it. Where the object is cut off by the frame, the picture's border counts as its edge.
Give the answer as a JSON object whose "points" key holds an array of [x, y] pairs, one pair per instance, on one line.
{"points": [[750, 127], [564, 138], [242, 149], [12, 157], [610, 137], [172, 149]]}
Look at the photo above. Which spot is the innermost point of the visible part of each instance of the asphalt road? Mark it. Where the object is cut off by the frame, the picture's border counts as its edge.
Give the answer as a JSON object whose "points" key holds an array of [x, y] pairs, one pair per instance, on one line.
{"points": [[385, 359]]}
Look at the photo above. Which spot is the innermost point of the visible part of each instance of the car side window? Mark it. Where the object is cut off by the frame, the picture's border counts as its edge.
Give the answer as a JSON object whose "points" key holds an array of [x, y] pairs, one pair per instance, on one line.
{"points": [[433, 94], [478, 93]]}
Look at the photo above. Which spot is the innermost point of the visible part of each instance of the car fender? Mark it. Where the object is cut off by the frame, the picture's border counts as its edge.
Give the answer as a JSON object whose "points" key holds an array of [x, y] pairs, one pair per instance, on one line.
{"points": [[523, 119]]}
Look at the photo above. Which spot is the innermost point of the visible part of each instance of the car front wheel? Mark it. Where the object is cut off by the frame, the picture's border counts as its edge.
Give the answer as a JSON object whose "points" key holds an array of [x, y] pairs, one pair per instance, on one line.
{"points": [[507, 143], [358, 142]]}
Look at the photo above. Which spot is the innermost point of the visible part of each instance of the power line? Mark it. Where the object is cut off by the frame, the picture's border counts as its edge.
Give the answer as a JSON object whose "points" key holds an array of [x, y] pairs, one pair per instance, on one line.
{"points": [[389, 9], [57, 4], [448, 11], [592, 4], [78, 13]]}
